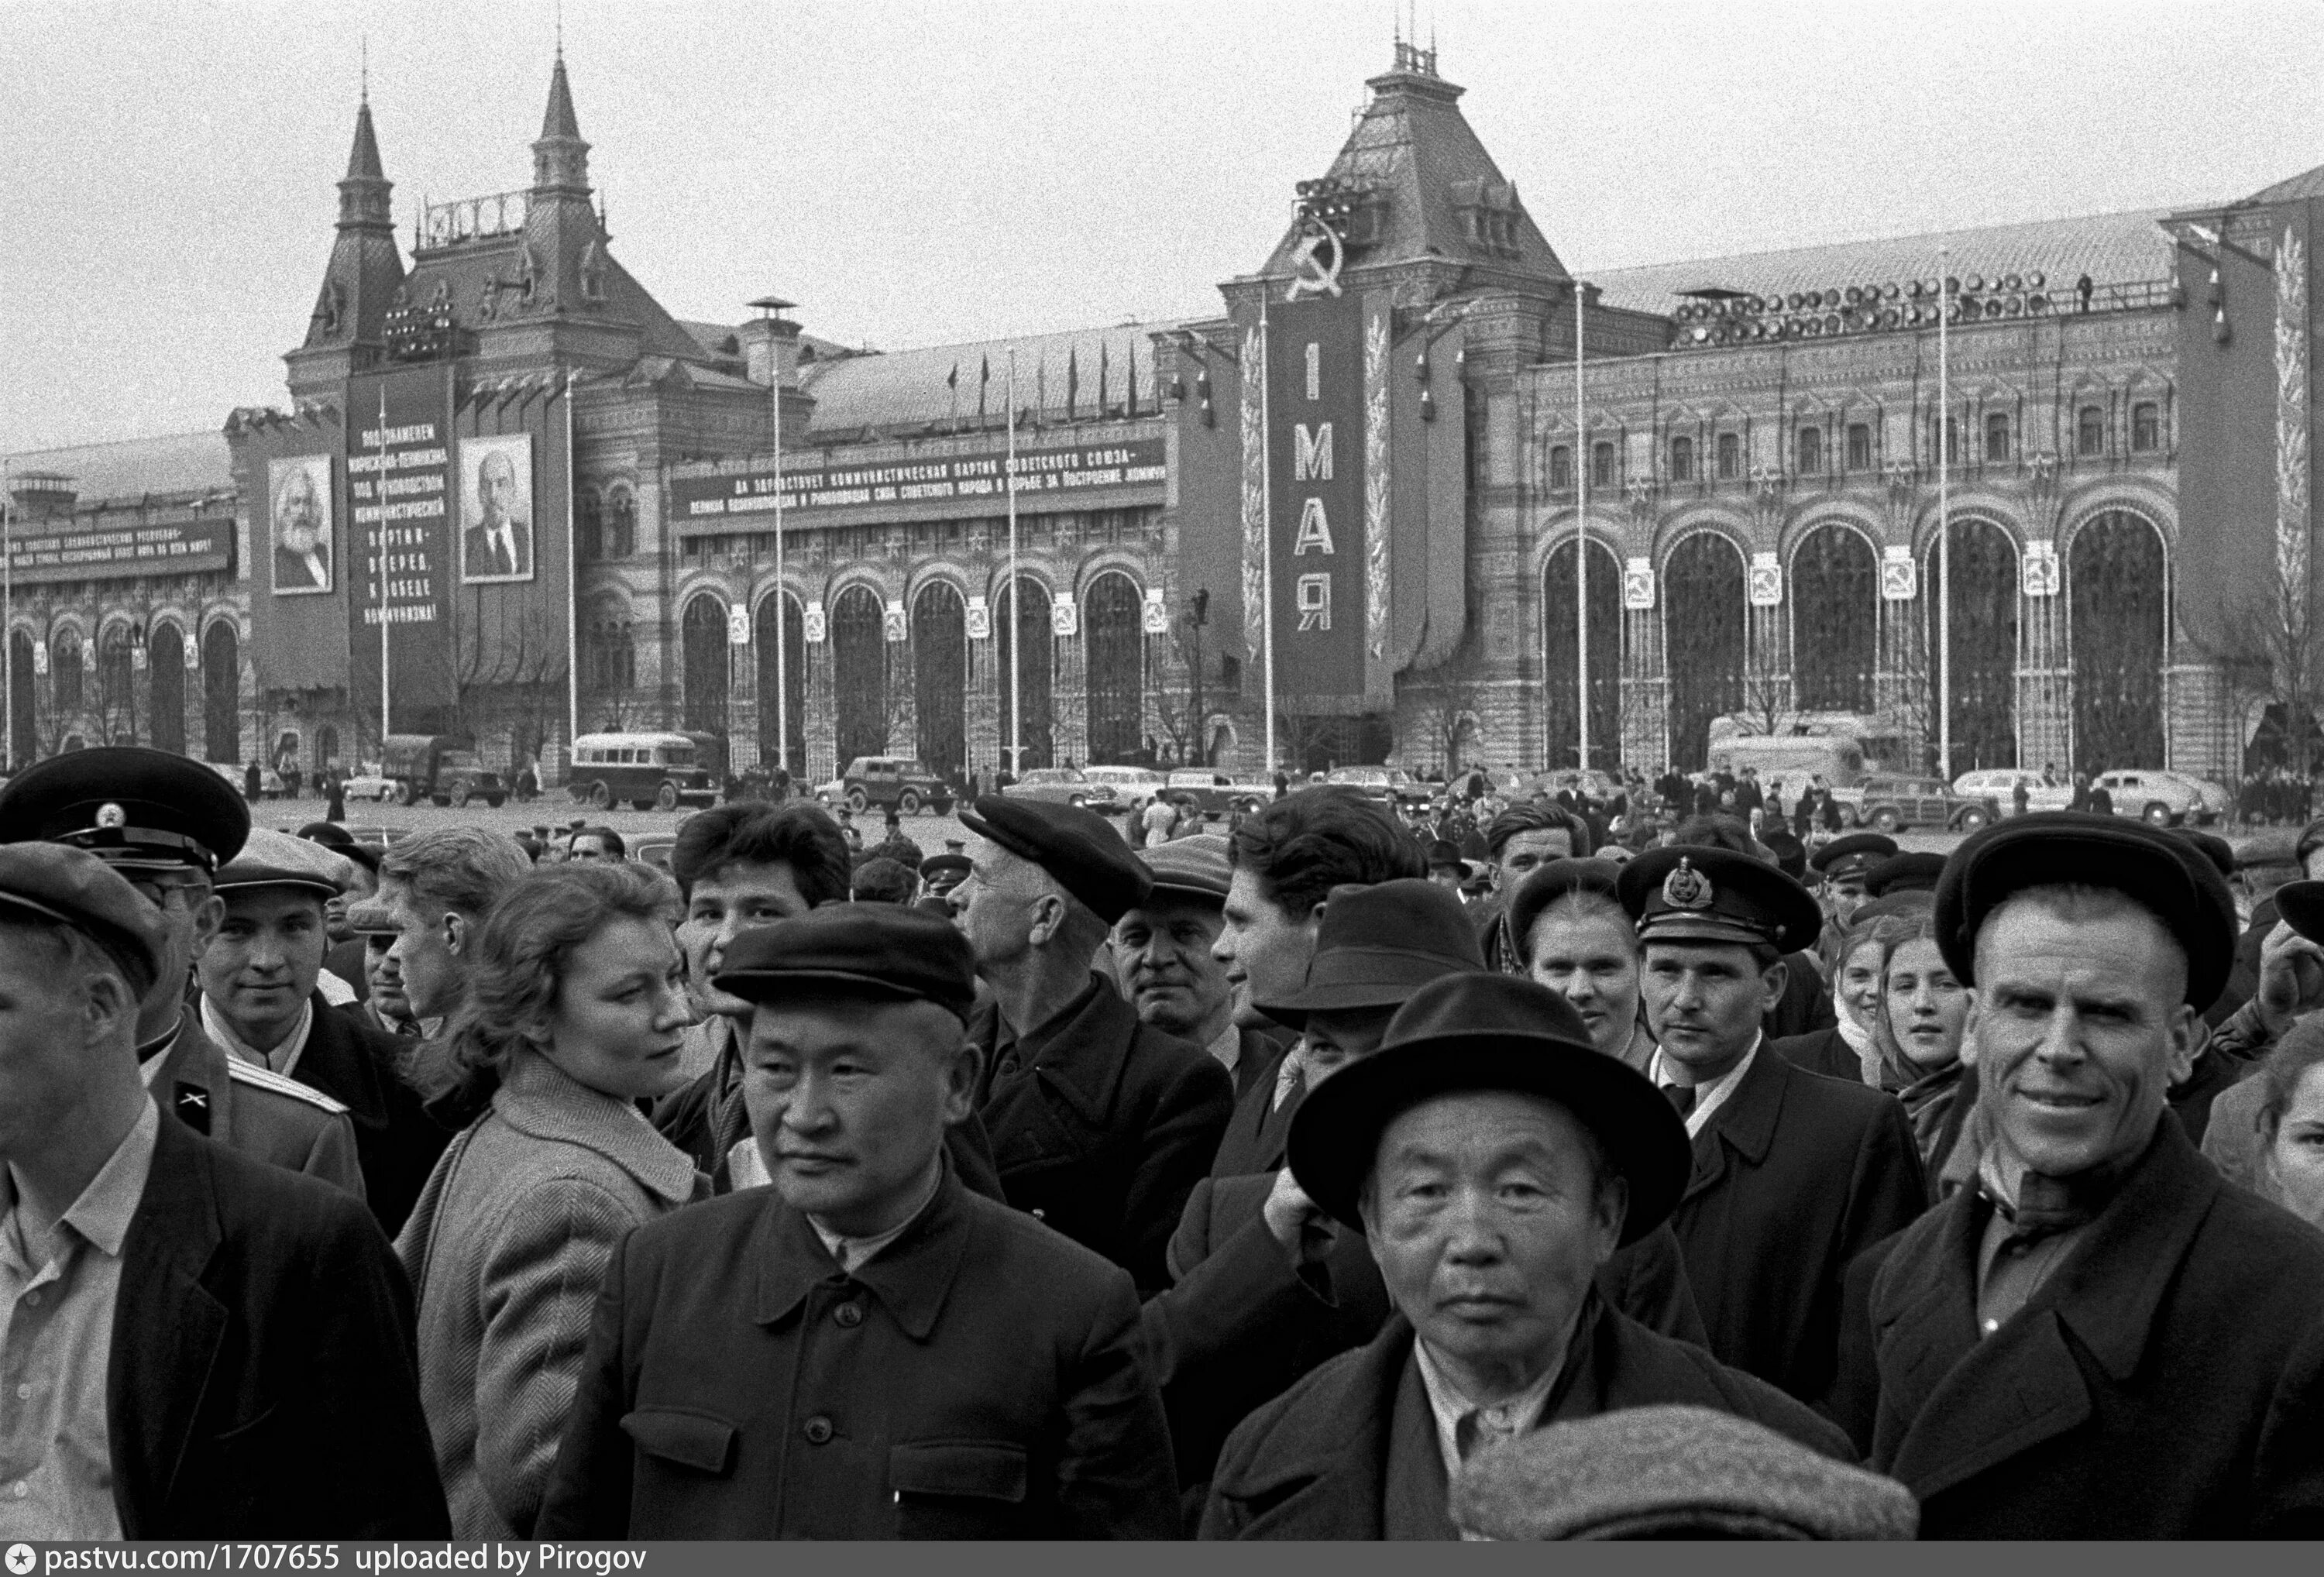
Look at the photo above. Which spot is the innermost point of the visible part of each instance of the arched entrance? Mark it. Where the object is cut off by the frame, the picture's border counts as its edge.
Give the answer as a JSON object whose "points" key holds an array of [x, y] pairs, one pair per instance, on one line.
{"points": [[1835, 595], [117, 686], [1115, 653], [2118, 615], [165, 670], [703, 645], [794, 649], [940, 676], [1031, 627], [326, 748], [859, 665], [1703, 641], [1984, 619], [23, 716], [1561, 658], [221, 692]]}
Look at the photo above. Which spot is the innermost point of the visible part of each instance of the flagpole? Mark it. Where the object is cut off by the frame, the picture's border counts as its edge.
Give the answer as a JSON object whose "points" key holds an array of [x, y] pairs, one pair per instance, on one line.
{"points": [[572, 590], [8, 606], [1015, 597], [1581, 462], [378, 502], [1266, 534], [1944, 518], [782, 632]]}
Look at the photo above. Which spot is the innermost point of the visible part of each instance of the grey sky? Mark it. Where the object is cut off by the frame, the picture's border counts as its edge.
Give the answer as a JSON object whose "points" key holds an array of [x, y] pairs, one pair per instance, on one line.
{"points": [[913, 171]]}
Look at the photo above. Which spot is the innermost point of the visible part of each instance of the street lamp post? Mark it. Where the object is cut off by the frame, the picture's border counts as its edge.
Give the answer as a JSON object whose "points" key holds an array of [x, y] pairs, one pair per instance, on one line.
{"points": [[771, 309], [1198, 613]]}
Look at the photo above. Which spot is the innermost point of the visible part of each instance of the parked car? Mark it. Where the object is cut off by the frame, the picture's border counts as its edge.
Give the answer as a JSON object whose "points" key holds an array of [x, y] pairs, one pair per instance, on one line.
{"points": [[653, 771], [1133, 786], [885, 780], [1892, 803], [2163, 798], [371, 786], [653, 851], [1065, 784], [1388, 785], [270, 781], [1999, 784], [1217, 794], [1601, 787], [441, 767]]}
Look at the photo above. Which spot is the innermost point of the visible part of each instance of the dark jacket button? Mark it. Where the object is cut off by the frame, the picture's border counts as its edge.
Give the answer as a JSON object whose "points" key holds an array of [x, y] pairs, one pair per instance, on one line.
{"points": [[818, 1430], [849, 1315]]}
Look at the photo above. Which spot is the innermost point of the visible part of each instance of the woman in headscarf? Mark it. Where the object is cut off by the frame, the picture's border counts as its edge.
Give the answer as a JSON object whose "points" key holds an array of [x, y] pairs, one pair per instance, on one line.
{"points": [[1572, 935]]}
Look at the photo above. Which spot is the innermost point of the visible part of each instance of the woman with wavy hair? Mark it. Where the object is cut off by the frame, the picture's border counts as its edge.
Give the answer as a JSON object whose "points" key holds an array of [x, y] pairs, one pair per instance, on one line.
{"points": [[1924, 1012], [576, 1012]]}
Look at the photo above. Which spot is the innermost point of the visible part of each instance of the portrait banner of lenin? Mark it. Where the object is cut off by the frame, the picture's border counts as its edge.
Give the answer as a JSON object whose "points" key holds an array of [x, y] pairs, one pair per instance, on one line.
{"points": [[496, 509], [300, 522]]}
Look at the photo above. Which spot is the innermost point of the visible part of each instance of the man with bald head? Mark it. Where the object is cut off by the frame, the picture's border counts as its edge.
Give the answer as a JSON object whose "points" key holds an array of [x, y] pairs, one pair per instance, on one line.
{"points": [[2101, 1339], [1100, 1124]]}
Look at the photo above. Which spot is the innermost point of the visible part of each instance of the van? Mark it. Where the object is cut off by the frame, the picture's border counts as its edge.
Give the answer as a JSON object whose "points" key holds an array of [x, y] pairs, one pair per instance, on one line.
{"points": [[652, 771]]}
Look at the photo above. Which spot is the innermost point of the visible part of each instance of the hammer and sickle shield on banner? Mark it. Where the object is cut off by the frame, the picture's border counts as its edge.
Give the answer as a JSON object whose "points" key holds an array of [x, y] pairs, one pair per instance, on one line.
{"points": [[1317, 257]]}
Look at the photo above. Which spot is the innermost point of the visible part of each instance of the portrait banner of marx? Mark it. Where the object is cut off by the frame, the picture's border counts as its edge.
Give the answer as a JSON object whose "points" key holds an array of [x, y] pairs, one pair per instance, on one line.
{"points": [[496, 509], [300, 489]]}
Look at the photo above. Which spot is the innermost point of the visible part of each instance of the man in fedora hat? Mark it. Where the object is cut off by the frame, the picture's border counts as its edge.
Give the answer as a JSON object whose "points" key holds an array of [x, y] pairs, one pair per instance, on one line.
{"points": [[2101, 1339], [1793, 1174], [1494, 1161]]}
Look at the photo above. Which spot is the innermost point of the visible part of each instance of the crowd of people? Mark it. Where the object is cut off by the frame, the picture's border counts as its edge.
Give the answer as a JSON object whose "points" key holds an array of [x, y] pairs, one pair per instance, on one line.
{"points": [[1498, 1169]]}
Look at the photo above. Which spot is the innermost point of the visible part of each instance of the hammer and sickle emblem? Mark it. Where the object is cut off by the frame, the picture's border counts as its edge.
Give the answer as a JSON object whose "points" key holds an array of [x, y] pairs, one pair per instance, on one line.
{"points": [[1317, 258]]}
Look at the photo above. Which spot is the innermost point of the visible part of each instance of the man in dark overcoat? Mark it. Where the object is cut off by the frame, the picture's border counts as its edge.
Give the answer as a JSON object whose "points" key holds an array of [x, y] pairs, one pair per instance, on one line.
{"points": [[1098, 1124], [864, 1349], [197, 1345], [2100, 1339], [1493, 1160], [1794, 1174]]}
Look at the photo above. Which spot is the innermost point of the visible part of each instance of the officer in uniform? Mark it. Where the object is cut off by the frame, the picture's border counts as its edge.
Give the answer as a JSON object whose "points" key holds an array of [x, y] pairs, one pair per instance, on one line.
{"points": [[166, 824], [1901, 873], [1841, 867], [940, 873]]}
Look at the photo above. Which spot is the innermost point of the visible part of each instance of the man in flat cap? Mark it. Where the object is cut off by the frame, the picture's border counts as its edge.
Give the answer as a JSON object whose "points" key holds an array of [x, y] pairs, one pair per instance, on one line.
{"points": [[259, 1001], [2101, 1339], [1162, 956], [867, 1349], [165, 824], [1494, 1161], [193, 1344], [1100, 1124], [1793, 1174]]}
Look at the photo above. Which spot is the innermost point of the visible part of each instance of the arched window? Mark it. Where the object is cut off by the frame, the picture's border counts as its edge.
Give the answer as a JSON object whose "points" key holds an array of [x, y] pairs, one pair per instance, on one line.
{"points": [[117, 686], [1703, 625], [1561, 657], [1115, 670], [327, 747], [620, 532], [2118, 611], [24, 714], [221, 692], [1984, 605], [2145, 426], [1682, 459], [1835, 621], [1029, 626], [588, 524], [1730, 457], [165, 673], [859, 667], [794, 680], [2090, 432], [703, 643], [1601, 464], [609, 659], [65, 671], [1560, 468], [1860, 446], [1997, 437], [940, 676], [1811, 451]]}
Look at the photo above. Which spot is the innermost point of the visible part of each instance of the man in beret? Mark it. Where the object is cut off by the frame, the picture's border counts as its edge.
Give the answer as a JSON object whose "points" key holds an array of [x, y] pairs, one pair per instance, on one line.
{"points": [[259, 1001], [1793, 1174], [165, 824], [1100, 1123], [867, 1349], [2101, 1339], [195, 1344], [1494, 1161]]}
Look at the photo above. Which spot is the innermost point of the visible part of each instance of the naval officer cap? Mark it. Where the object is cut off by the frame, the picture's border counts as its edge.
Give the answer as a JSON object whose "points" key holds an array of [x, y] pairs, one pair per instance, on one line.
{"points": [[128, 806], [1851, 858], [2155, 869], [68, 887], [1076, 846], [278, 860], [1688, 892], [882, 952]]}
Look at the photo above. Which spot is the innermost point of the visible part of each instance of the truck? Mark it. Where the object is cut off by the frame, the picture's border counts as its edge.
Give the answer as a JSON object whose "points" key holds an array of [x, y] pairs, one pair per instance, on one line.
{"points": [[1842, 748], [441, 767]]}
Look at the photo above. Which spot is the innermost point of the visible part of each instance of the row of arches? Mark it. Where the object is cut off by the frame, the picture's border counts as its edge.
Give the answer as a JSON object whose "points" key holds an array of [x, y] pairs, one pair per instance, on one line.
{"points": [[2114, 593], [872, 677], [125, 706]]}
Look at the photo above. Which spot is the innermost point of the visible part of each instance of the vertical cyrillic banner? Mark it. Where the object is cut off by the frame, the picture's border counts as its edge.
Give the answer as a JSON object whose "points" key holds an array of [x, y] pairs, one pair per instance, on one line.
{"points": [[399, 510], [1316, 452]]}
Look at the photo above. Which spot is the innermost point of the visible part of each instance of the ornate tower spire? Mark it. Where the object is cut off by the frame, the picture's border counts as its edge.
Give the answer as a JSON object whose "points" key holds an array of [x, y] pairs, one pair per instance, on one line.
{"points": [[344, 333], [364, 191], [560, 159]]}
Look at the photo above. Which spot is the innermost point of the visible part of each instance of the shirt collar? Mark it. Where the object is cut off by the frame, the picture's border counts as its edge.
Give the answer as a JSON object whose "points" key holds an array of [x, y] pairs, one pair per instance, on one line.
{"points": [[1228, 1046], [101, 1215], [1510, 1416], [236, 1047], [852, 1252], [1710, 1097]]}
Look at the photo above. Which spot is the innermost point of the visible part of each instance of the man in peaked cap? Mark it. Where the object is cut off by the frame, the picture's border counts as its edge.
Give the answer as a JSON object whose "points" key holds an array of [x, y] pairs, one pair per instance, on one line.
{"points": [[1100, 1124], [940, 873], [1494, 1161], [261, 1002], [1162, 956], [2102, 1338], [867, 1349], [165, 825], [1905, 872], [1793, 1174], [1841, 867]]}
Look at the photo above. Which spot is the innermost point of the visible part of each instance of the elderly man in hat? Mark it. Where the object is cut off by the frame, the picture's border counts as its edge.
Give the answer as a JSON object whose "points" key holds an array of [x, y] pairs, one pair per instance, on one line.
{"points": [[1100, 1123], [2101, 1339], [1162, 956], [1793, 1174], [194, 1344], [867, 1349], [260, 1000], [165, 824], [1494, 1161]]}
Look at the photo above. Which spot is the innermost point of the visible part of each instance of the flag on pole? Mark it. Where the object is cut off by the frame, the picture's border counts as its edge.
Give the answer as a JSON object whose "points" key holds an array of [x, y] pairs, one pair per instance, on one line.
{"points": [[1073, 382], [1040, 388], [984, 377], [952, 382], [1100, 377], [1129, 384]]}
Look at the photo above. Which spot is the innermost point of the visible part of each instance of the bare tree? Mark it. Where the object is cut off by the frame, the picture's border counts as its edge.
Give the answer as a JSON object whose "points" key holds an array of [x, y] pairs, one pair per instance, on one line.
{"points": [[1449, 706], [2264, 644]]}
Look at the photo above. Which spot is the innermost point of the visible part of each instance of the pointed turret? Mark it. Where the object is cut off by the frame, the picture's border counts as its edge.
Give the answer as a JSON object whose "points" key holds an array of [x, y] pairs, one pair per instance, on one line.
{"points": [[560, 159], [364, 275], [363, 193]]}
